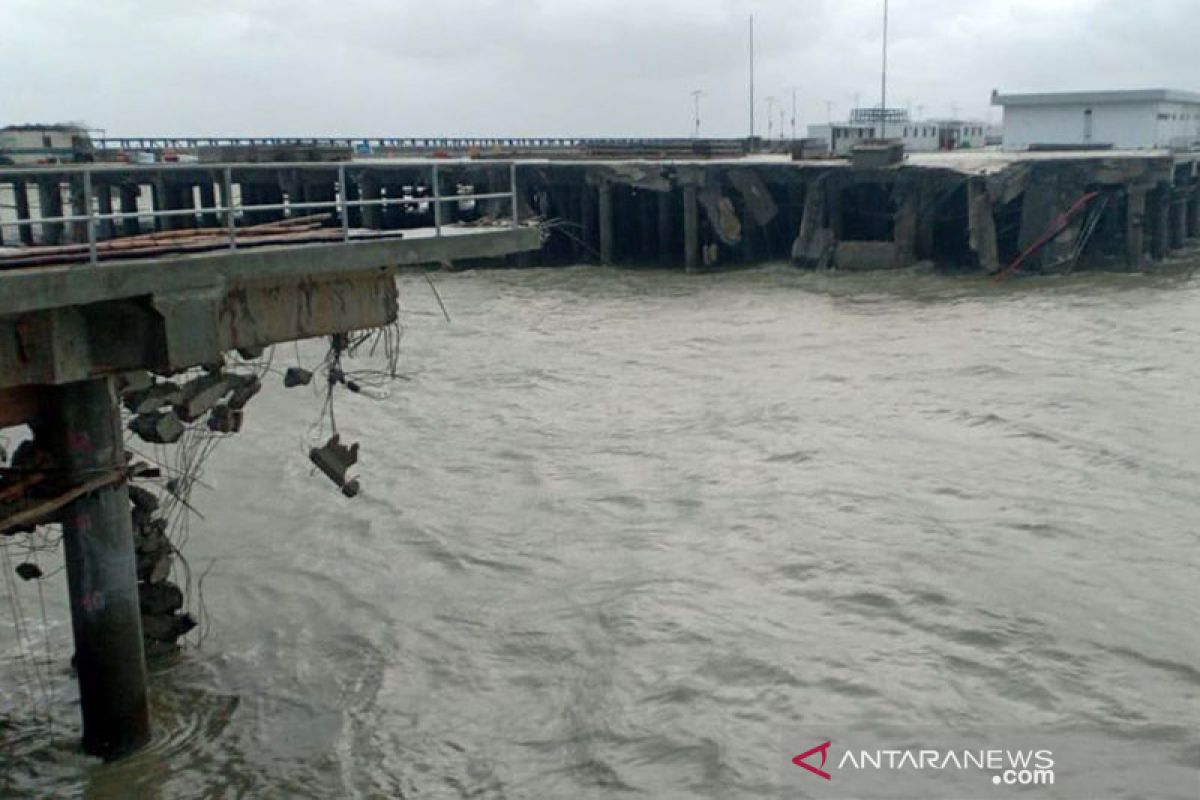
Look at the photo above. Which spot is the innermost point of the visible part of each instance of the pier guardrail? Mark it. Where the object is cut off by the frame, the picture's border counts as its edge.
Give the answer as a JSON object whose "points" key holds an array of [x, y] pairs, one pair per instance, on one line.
{"points": [[231, 209]]}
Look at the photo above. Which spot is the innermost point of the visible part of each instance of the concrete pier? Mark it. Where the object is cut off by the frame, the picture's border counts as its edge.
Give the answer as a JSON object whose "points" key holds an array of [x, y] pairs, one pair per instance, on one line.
{"points": [[69, 330], [964, 211], [83, 425]]}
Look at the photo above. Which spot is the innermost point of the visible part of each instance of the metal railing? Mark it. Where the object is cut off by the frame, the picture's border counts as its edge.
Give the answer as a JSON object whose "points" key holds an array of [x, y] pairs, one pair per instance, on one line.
{"points": [[231, 209], [419, 143]]}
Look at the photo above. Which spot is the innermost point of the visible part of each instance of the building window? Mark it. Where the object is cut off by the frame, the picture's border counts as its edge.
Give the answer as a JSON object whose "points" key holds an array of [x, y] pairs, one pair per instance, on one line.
{"points": [[46, 140]]}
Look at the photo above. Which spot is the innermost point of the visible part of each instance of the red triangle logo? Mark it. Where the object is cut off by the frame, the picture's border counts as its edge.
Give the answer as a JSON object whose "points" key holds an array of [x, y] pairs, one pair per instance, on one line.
{"points": [[823, 749]]}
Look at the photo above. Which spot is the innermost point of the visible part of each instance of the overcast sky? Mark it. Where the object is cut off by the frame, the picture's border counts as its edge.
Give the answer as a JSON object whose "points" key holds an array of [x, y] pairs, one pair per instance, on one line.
{"points": [[557, 67]]}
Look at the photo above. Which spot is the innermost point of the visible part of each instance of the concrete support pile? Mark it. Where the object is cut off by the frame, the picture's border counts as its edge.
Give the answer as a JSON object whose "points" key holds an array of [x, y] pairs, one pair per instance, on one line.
{"points": [[1135, 226], [84, 433], [1179, 222], [1193, 211]]}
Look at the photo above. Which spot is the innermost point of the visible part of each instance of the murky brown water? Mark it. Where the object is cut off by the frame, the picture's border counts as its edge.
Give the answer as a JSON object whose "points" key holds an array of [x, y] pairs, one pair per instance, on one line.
{"points": [[622, 530]]}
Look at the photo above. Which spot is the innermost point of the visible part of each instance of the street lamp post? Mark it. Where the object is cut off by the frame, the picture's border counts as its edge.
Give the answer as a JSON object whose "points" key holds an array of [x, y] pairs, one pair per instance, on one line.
{"points": [[696, 95], [883, 93], [793, 113]]}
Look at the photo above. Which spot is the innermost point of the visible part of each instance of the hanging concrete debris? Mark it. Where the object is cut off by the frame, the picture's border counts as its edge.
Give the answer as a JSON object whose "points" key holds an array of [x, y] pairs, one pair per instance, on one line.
{"points": [[200, 394], [757, 197], [28, 571], [721, 215], [164, 413], [158, 427], [225, 419], [151, 398], [334, 459], [297, 376], [245, 387]]}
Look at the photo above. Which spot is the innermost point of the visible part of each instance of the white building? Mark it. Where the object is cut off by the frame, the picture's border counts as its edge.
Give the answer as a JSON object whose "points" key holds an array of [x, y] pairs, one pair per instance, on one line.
{"points": [[919, 136], [41, 144], [1146, 118]]}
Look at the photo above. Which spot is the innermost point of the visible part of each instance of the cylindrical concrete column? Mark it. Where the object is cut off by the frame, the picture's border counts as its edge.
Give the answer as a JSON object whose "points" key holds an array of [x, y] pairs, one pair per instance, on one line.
{"points": [[1178, 223], [368, 189], [1193, 213], [208, 199], [104, 228], [130, 226], [79, 208], [50, 205], [1135, 226], [606, 222], [588, 214], [84, 428], [21, 197], [664, 226], [1158, 214], [691, 229]]}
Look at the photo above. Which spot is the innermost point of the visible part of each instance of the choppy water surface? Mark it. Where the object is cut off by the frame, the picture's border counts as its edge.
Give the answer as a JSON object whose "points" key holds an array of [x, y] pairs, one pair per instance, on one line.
{"points": [[622, 530]]}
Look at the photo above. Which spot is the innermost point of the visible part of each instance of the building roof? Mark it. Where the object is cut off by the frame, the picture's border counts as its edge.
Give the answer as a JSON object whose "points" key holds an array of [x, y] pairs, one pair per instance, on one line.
{"points": [[1096, 98], [64, 127]]}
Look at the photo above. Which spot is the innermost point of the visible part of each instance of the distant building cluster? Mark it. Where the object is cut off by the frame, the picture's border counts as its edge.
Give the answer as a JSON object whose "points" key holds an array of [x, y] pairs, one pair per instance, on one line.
{"points": [[918, 136], [55, 143]]}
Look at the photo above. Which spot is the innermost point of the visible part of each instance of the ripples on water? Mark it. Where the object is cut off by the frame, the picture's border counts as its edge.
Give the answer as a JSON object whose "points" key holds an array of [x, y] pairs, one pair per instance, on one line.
{"points": [[621, 530]]}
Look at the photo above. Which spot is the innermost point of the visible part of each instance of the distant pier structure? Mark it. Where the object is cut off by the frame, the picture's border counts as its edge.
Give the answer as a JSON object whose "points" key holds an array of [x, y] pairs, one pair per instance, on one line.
{"points": [[116, 277], [675, 203]]}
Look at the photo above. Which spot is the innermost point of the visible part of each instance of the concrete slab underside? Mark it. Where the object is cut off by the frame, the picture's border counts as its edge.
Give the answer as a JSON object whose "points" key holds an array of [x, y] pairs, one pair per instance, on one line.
{"points": [[70, 323]]}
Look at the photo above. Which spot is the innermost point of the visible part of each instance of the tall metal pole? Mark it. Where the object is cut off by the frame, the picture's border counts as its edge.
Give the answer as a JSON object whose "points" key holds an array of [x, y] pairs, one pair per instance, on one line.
{"points": [[883, 94], [696, 95], [84, 426], [793, 113], [751, 76]]}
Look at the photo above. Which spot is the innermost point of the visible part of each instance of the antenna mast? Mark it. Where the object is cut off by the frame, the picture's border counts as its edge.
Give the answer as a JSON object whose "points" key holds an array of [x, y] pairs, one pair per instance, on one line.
{"points": [[883, 93], [751, 76]]}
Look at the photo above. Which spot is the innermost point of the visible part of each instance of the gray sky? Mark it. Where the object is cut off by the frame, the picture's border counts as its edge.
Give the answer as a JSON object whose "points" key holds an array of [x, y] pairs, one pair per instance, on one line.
{"points": [[556, 67]]}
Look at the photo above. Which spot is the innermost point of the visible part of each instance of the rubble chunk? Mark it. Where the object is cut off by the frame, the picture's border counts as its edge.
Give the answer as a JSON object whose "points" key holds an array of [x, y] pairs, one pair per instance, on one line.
{"points": [[159, 427], [297, 376]]}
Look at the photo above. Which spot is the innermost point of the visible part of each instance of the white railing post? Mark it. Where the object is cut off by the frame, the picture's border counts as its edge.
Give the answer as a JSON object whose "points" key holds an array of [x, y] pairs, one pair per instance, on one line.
{"points": [[512, 187], [344, 209], [91, 218]]}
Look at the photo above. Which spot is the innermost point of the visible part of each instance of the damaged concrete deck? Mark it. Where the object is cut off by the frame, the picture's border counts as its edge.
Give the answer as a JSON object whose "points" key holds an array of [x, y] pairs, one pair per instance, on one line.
{"points": [[73, 322]]}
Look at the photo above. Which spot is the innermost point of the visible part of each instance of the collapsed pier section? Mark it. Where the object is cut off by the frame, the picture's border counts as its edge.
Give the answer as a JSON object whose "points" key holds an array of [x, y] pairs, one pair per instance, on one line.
{"points": [[975, 213]]}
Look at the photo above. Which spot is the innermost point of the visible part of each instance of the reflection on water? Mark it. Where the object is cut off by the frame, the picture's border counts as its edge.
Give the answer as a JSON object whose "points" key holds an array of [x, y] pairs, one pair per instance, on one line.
{"points": [[621, 530]]}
